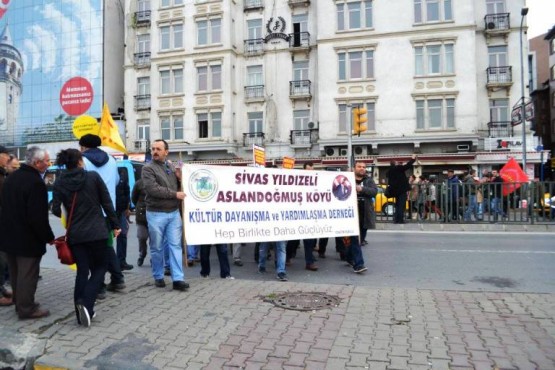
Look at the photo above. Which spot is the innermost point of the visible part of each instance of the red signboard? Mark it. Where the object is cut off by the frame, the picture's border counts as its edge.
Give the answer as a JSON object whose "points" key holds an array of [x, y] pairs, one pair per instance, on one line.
{"points": [[76, 96]]}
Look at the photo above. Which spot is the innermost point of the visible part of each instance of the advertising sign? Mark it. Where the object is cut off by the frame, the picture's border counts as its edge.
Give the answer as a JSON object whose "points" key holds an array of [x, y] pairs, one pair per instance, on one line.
{"points": [[249, 204], [259, 155], [55, 53]]}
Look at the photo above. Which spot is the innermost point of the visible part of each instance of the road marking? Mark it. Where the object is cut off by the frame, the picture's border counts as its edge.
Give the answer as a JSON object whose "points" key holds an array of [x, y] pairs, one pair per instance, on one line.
{"points": [[487, 251]]}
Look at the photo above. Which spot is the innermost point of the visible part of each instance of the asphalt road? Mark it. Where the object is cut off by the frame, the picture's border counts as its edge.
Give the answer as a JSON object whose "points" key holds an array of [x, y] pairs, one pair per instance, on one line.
{"points": [[483, 261]]}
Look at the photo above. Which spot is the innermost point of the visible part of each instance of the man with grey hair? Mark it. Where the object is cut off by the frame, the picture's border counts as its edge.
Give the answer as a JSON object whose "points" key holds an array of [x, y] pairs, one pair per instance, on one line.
{"points": [[25, 230]]}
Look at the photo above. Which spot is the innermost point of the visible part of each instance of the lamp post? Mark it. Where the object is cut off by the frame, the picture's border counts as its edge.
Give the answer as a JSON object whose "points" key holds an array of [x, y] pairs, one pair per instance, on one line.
{"points": [[523, 13]]}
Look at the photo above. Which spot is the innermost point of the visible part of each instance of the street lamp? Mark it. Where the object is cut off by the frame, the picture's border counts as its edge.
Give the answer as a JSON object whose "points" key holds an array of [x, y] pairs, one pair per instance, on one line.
{"points": [[523, 13]]}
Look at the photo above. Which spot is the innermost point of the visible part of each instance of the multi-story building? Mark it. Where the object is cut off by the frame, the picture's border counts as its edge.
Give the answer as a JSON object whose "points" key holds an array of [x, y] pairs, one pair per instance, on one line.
{"points": [[437, 77]]}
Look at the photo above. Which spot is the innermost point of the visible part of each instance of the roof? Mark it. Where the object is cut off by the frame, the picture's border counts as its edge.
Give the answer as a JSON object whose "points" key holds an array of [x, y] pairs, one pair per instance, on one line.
{"points": [[550, 34]]}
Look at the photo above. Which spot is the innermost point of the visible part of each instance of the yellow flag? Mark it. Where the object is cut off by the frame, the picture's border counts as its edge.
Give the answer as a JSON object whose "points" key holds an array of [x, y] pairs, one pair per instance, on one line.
{"points": [[109, 132]]}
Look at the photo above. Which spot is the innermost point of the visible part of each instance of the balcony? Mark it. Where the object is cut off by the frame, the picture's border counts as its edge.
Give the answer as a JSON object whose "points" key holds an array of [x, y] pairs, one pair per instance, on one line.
{"points": [[142, 59], [142, 102], [295, 3], [250, 138], [497, 25], [303, 138], [254, 93], [253, 5], [501, 129], [499, 78], [300, 89], [254, 47], [141, 145], [142, 19], [299, 41]]}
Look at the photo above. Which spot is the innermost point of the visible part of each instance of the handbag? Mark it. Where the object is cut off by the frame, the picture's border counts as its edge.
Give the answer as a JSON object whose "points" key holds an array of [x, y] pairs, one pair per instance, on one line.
{"points": [[62, 247]]}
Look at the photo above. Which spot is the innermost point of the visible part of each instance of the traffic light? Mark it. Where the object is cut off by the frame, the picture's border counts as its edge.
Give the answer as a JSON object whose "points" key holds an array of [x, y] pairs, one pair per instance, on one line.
{"points": [[359, 122]]}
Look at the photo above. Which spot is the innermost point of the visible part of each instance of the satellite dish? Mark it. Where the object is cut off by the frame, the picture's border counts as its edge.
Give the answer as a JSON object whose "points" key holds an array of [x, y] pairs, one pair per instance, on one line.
{"points": [[311, 125]]}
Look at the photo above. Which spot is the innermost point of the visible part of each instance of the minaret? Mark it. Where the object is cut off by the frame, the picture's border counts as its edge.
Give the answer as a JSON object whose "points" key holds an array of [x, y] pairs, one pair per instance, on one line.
{"points": [[11, 72]]}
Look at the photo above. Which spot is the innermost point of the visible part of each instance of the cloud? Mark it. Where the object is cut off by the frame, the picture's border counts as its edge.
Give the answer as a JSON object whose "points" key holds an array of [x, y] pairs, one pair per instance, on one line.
{"points": [[42, 48]]}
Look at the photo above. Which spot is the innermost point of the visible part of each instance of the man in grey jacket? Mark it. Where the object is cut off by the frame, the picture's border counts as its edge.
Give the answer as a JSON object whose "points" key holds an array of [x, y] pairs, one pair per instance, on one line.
{"points": [[163, 199]]}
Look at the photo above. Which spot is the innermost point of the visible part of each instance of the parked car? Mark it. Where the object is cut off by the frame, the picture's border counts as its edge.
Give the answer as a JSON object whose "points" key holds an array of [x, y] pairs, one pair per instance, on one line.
{"points": [[384, 205]]}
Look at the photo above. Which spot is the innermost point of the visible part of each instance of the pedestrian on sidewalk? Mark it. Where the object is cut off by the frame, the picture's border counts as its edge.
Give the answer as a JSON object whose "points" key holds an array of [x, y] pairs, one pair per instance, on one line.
{"points": [[97, 160], [221, 249], [399, 185], [123, 203], [85, 197], [366, 192], [309, 244], [163, 202], [280, 252], [25, 230], [138, 197]]}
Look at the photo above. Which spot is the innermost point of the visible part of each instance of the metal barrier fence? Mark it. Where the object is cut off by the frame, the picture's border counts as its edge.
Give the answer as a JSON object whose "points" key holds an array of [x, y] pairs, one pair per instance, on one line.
{"points": [[487, 202]]}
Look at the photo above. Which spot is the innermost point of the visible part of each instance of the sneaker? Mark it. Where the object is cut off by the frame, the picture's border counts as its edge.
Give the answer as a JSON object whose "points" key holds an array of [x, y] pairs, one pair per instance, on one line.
{"points": [[262, 270], [229, 278], [360, 269], [167, 271], [238, 263], [180, 285], [281, 276], [83, 315], [126, 267], [115, 287], [160, 283], [364, 242]]}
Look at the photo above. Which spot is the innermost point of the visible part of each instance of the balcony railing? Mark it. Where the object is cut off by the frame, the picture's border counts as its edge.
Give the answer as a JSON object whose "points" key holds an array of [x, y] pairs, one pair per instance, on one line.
{"points": [[142, 102], [254, 93], [254, 46], [500, 129], [294, 3], [253, 4], [250, 138], [497, 22], [142, 145], [500, 75], [142, 59], [142, 18], [304, 137], [299, 40], [299, 89]]}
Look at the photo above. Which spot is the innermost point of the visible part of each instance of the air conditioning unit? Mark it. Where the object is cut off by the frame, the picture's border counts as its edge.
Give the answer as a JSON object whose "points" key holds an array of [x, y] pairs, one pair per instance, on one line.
{"points": [[491, 25], [360, 150], [330, 152], [343, 152], [463, 148]]}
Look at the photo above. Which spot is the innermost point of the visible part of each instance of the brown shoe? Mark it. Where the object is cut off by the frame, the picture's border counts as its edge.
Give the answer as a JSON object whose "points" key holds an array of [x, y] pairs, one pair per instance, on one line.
{"points": [[311, 267], [37, 314], [5, 301]]}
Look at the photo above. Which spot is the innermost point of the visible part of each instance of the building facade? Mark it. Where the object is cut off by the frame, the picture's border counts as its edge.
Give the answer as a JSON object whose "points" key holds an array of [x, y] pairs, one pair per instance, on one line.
{"points": [[437, 77]]}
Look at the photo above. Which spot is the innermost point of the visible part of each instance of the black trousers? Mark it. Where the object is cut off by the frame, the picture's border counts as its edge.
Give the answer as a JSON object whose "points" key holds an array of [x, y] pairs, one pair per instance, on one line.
{"points": [[24, 277], [92, 262], [400, 204], [322, 246]]}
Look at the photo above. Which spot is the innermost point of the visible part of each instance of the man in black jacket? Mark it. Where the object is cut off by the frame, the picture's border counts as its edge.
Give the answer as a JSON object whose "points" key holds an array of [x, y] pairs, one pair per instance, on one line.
{"points": [[399, 185], [25, 230], [366, 191]]}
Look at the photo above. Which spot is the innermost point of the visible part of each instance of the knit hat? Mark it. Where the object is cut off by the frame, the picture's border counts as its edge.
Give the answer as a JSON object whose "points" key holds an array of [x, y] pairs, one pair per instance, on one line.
{"points": [[90, 141]]}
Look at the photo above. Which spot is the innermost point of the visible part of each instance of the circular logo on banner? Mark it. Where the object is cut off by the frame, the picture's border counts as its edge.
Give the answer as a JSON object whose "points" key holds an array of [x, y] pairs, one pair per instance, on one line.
{"points": [[203, 185], [341, 187], [76, 96]]}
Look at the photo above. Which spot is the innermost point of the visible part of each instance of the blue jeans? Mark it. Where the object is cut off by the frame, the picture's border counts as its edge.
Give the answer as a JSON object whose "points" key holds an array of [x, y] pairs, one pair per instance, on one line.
{"points": [[309, 245], [192, 252], [280, 256], [496, 208], [472, 208], [222, 258], [354, 253], [165, 228]]}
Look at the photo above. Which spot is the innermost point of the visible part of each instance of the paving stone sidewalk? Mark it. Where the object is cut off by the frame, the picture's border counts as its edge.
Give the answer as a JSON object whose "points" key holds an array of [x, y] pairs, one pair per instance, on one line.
{"points": [[226, 324]]}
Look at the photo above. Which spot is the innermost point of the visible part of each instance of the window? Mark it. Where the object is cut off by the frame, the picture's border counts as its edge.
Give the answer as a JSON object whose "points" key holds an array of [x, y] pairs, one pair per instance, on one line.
{"points": [[552, 46], [434, 59], [254, 29], [167, 3], [354, 15], [499, 110], [256, 123], [143, 130], [143, 5], [209, 78], [143, 43], [209, 31], [254, 76], [495, 6], [301, 119], [171, 36], [435, 114], [497, 56], [356, 65], [209, 125], [371, 116], [553, 72], [143, 86], [171, 127], [426, 11], [171, 81]]}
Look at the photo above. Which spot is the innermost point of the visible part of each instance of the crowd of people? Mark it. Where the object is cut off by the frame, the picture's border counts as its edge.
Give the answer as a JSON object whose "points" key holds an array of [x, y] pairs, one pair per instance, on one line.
{"points": [[93, 199]]}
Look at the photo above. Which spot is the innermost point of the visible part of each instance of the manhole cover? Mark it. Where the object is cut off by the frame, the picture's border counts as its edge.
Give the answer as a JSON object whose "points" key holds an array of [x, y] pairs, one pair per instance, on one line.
{"points": [[302, 301]]}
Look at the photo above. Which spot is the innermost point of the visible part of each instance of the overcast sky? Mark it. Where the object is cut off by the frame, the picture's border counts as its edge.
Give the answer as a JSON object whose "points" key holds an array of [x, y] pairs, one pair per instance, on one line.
{"points": [[541, 16]]}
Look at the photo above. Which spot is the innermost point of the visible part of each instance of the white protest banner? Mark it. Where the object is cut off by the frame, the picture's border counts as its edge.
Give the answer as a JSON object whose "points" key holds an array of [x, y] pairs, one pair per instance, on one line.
{"points": [[248, 204]]}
